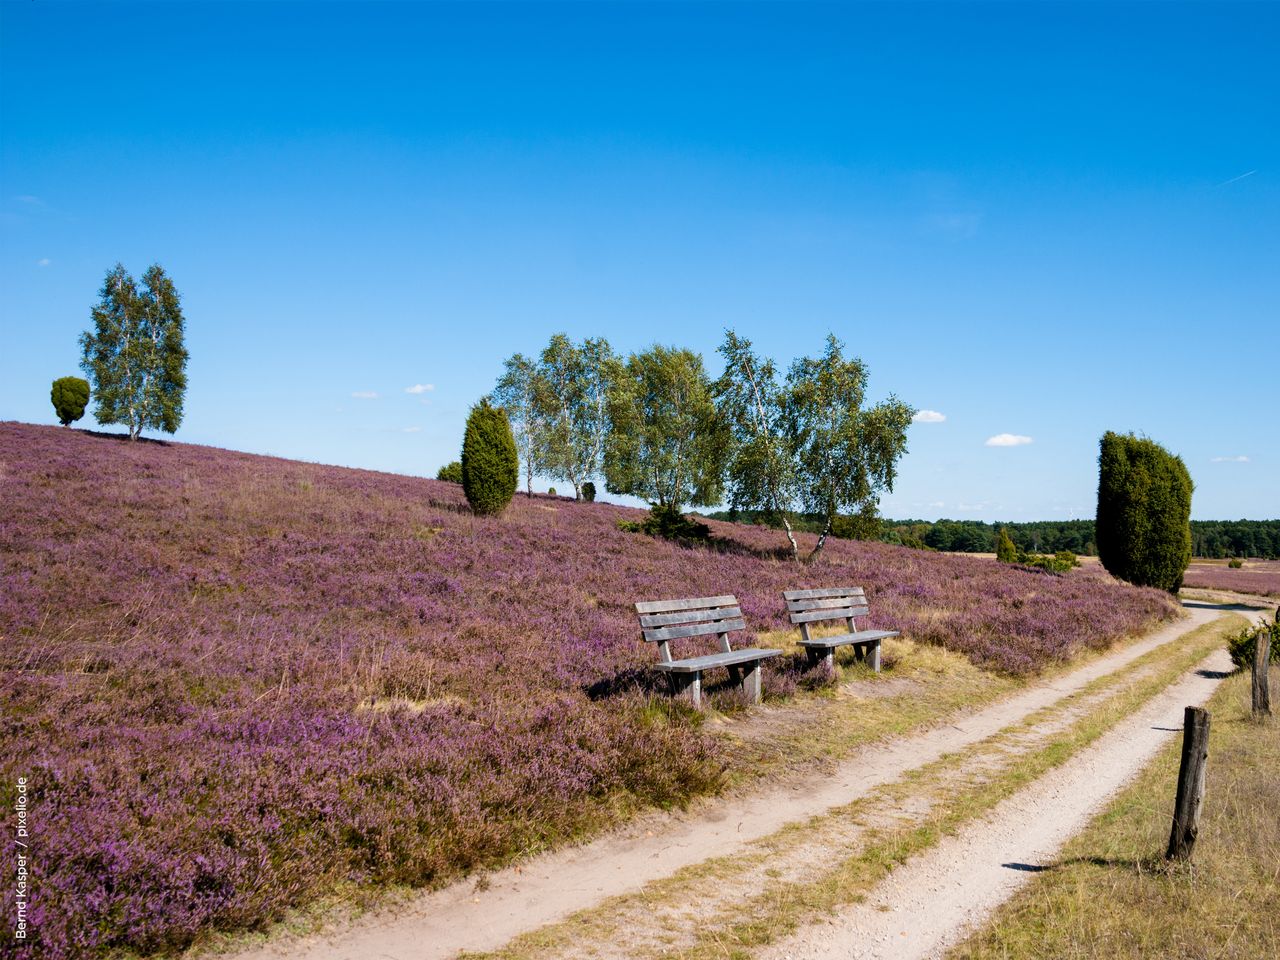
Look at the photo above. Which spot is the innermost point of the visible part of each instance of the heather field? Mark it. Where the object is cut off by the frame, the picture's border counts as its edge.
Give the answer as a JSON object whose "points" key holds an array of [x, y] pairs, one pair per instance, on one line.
{"points": [[234, 682], [1261, 577]]}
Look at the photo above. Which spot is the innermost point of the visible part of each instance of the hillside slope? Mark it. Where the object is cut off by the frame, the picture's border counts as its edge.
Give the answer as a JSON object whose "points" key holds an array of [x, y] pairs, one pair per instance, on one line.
{"points": [[235, 681]]}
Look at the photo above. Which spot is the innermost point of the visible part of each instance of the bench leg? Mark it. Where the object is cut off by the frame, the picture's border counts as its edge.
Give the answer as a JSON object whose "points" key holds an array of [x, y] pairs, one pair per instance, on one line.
{"points": [[746, 677], [751, 683], [689, 685], [874, 650], [826, 655]]}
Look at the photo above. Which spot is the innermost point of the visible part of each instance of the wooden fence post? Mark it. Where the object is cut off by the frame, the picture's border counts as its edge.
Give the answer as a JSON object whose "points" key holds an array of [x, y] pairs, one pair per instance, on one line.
{"points": [[1261, 663], [1186, 809]]}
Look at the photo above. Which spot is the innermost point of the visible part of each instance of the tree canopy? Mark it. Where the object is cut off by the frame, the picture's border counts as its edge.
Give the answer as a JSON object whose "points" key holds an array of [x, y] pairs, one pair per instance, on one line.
{"points": [[668, 444], [135, 356], [845, 456], [762, 472], [571, 390], [517, 393]]}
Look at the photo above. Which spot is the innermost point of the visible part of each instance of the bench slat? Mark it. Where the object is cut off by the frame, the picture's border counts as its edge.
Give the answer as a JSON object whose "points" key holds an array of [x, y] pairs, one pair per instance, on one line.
{"points": [[694, 629], [839, 613], [828, 603], [823, 592], [697, 664], [697, 603], [862, 636], [691, 616]]}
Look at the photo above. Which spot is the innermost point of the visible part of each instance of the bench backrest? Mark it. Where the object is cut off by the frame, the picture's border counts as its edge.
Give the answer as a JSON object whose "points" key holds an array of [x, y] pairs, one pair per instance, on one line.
{"points": [[666, 620], [826, 603]]}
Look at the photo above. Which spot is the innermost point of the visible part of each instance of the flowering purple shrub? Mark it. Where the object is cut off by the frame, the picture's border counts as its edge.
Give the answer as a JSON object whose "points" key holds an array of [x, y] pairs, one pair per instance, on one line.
{"points": [[1260, 577], [233, 681]]}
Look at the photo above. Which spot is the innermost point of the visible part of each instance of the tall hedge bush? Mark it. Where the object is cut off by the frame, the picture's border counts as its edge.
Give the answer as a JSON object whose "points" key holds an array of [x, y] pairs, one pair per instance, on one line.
{"points": [[1144, 512], [490, 461]]}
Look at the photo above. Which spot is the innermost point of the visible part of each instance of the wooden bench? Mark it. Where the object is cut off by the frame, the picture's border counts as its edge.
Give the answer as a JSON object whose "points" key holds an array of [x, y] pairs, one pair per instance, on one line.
{"points": [[835, 603], [665, 620]]}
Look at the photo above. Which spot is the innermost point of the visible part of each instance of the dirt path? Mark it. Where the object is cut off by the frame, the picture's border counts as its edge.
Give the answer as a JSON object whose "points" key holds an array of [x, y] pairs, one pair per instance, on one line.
{"points": [[550, 888], [935, 900]]}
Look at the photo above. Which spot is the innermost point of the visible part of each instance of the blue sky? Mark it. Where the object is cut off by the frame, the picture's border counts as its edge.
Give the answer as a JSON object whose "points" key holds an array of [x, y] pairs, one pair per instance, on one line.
{"points": [[1039, 220]]}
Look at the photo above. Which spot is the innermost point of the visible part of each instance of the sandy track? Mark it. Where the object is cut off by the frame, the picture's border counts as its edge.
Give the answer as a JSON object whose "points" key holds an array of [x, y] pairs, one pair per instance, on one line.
{"points": [[441, 924], [933, 901]]}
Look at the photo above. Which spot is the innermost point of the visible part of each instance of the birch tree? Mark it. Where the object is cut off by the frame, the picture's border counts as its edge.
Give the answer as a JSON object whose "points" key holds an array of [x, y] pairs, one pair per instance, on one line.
{"points": [[572, 405], [762, 471], [845, 456], [668, 443], [516, 393], [135, 356]]}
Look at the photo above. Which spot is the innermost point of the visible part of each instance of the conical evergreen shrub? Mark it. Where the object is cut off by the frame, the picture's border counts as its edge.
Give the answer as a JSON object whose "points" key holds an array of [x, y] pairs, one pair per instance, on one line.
{"points": [[490, 462], [1006, 550], [1144, 512], [450, 472]]}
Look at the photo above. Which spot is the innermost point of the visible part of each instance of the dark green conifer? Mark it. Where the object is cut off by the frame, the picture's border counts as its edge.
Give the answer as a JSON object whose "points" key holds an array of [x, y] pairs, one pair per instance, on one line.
{"points": [[490, 461], [1006, 550], [1144, 512], [70, 395]]}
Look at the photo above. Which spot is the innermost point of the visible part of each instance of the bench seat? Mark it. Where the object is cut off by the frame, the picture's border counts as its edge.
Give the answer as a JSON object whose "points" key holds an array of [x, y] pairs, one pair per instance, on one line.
{"points": [[844, 639], [734, 657]]}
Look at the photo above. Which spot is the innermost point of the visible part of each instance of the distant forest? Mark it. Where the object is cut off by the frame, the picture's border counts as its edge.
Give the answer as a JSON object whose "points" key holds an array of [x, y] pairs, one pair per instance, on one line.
{"points": [[1214, 539]]}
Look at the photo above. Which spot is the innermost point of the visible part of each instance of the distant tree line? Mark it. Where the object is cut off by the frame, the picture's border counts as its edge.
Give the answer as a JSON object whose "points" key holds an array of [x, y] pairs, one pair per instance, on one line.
{"points": [[974, 536], [1210, 539], [1220, 539]]}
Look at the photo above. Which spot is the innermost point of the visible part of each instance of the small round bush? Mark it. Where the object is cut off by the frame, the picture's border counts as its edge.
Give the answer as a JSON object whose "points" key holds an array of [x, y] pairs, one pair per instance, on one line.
{"points": [[450, 472], [70, 395], [1243, 645], [1235, 563], [551, 492], [589, 492], [490, 462]]}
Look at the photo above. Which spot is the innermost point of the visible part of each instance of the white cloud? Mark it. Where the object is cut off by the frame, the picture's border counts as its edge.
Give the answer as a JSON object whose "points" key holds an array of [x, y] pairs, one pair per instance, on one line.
{"points": [[1008, 440], [412, 430], [928, 416], [1229, 460], [420, 388], [937, 504], [43, 262], [365, 395]]}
